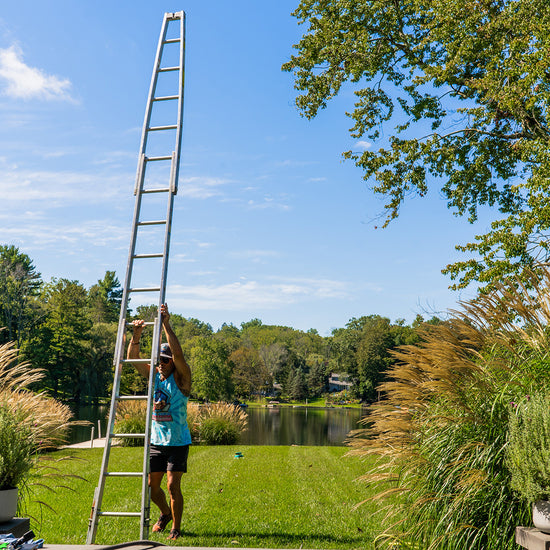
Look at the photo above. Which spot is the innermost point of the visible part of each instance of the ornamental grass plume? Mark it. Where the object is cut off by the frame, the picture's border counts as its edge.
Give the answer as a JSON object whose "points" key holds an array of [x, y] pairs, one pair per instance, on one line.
{"points": [[30, 423], [48, 419], [441, 429], [221, 423]]}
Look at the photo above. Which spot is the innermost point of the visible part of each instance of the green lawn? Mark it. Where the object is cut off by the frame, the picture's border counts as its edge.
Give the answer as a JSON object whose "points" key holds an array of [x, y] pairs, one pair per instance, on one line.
{"points": [[274, 497]]}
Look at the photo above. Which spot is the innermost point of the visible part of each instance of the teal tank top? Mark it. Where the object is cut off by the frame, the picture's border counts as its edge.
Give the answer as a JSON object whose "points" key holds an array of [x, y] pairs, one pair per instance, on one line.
{"points": [[169, 426]]}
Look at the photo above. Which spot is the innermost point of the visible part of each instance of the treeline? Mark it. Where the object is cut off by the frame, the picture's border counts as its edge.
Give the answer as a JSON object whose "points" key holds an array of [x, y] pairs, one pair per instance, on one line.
{"points": [[70, 332]]}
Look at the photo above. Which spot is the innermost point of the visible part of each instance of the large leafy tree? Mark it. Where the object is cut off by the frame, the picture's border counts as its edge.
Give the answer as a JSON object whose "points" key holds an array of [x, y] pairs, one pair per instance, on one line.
{"points": [[210, 369], [60, 345], [456, 93], [249, 373]]}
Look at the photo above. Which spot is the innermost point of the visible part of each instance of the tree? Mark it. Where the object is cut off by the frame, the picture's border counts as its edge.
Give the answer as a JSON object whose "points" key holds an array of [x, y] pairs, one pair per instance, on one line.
{"points": [[104, 299], [373, 354], [462, 89], [19, 285], [250, 374], [210, 370], [60, 344], [296, 387], [317, 377]]}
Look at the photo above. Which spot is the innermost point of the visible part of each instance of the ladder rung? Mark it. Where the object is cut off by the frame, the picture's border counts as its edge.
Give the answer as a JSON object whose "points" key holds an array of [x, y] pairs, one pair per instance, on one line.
{"points": [[166, 69], [152, 289], [124, 474], [147, 361], [128, 435], [155, 222], [167, 127], [165, 157], [147, 324], [130, 397], [172, 40], [155, 255], [159, 190], [121, 514], [166, 98]]}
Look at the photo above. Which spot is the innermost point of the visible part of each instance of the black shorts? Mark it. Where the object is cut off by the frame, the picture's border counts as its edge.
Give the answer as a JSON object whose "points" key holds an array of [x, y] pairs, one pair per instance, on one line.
{"points": [[168, 459]]}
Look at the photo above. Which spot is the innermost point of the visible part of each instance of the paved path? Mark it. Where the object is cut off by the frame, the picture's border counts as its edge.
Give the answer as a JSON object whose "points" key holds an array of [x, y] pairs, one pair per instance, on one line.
{"points": [[94, 443]]}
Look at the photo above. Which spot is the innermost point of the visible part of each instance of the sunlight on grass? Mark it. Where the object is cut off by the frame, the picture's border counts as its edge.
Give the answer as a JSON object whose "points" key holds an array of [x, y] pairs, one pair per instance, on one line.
{"points": [[278, 497]]}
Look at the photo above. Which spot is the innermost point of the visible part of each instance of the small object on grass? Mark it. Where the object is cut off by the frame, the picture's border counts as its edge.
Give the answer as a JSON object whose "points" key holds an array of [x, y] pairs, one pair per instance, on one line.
{"points": [[239, 455]]}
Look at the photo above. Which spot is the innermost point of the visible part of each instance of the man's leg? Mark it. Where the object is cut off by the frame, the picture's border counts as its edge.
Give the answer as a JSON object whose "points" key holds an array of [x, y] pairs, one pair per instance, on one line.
{"points": [[157, 494], [176, 497]]}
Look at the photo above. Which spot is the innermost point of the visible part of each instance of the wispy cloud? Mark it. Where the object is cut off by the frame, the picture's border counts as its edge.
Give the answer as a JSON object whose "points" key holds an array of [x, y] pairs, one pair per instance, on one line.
{"points": [[250, 295], [196, 187], [24, 82], [54, 188], [38, 234], [254, 255]]}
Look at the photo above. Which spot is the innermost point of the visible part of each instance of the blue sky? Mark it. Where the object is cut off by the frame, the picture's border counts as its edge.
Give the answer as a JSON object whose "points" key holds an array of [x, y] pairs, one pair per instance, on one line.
{"points": [[269, 222]]}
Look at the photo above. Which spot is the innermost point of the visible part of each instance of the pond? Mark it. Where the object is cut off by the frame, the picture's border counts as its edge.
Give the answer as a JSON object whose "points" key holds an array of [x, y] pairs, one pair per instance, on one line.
{"points": [[266, 426]]}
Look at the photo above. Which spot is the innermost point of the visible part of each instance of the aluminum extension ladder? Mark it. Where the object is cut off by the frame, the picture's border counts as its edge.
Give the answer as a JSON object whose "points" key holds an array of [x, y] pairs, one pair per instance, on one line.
{"points": [[165, 101]]}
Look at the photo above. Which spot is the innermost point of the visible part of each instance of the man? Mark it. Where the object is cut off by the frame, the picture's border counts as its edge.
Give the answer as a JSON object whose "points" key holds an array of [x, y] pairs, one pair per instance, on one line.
{"points": [[170, 436]]}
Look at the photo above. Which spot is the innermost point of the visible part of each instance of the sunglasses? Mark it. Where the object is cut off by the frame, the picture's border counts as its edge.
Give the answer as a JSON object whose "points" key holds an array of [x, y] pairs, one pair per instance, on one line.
{"points": [[164, 360]]}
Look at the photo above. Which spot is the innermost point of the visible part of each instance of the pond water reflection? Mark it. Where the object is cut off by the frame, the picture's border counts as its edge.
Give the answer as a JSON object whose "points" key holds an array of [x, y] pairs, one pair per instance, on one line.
{"points": [[266, 426], [299, 426]]}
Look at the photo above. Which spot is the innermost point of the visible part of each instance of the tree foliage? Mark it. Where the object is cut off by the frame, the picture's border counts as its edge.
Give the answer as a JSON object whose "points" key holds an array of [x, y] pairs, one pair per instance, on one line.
{"points": [[19, 285], [462, 90]]}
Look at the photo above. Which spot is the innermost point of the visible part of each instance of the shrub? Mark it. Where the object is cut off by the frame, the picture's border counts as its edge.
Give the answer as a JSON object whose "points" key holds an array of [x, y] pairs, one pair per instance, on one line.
{"points": [[441, 429], [528, 449], [221, 424]]}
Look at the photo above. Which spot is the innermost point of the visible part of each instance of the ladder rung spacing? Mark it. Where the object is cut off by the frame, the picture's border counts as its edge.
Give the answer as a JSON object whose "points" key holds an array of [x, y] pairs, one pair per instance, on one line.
{"points": [[145, 185]]}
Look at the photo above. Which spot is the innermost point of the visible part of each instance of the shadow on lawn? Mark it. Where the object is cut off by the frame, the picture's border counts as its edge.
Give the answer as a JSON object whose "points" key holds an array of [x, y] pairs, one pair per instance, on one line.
{"points": [[298, 540]]}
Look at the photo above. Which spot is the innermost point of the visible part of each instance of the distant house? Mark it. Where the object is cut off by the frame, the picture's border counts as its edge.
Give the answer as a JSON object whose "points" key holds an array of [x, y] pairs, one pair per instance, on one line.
{"points": [[339, 382]]}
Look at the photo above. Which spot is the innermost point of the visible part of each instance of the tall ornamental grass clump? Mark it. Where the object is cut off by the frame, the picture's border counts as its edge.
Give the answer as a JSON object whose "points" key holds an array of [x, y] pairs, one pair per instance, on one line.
{"points": [[48, 419], [130, 419], [441, 429], [528, 450], [30, 423], [212, 424], [221, 424]]}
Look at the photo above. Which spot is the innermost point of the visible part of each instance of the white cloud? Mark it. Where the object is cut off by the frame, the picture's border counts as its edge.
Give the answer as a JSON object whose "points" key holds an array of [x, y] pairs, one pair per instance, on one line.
{"points": [[363, 145], [24, 82], [254, 295]]}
